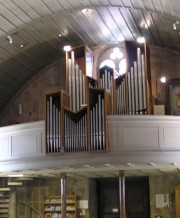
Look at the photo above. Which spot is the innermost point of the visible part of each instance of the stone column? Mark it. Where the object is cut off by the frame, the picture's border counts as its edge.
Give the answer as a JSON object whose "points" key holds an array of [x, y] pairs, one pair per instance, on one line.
{"points": [[63, 194], [122, 194]]}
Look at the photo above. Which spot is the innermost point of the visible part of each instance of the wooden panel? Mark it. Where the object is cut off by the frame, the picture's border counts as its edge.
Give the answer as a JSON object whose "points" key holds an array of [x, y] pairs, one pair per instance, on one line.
{"points": [[140, 137], [14, 9], [24, 6], [54, 6], [171, 137], [121, 22], [101, 26], [88, 26], [5, 147], [110, 23], [24, 144]]}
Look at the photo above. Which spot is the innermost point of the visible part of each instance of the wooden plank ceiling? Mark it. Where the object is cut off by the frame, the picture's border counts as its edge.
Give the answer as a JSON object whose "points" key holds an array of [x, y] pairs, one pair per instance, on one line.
{"points": [[36, 24]]}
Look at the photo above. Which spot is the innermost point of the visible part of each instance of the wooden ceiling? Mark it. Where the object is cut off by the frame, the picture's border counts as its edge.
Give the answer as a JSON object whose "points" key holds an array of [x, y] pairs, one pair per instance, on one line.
{"points": [[36, 24]]}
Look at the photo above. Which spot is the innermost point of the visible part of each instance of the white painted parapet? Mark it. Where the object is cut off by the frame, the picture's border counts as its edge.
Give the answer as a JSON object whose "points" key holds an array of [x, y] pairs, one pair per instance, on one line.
{"points": [[128, 134], [22, 140], [144, 133]]}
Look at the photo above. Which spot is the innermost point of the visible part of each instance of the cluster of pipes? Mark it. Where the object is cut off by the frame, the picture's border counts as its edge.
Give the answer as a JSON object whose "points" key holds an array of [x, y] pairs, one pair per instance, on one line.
{"points": [[76, 139], [53, 125], [76, 84], [107, 82], [97, 134], [80, 128], [132, 89]]}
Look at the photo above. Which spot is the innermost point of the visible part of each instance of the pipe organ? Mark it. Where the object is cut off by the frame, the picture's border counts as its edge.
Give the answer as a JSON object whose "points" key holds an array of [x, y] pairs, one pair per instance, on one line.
{"points": [[76, 119]]}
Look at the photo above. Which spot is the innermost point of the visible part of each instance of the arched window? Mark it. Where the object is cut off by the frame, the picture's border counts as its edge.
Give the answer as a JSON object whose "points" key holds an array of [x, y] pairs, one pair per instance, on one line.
{"points": [[114, 58]]}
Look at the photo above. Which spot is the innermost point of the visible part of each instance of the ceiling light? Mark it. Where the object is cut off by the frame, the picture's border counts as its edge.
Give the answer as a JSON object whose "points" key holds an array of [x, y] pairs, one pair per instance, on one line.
{"points": [[141, 39], [21, 46], [152, 164], [67, 48], [174, 26], [130, 164], [87, 11], [59, 35], [10, 39], [15, 175]]}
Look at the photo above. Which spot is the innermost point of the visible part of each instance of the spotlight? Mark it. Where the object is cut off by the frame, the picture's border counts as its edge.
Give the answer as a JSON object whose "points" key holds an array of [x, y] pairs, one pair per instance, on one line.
{"points": [[67, 48], [10, 39], [141, 39]]}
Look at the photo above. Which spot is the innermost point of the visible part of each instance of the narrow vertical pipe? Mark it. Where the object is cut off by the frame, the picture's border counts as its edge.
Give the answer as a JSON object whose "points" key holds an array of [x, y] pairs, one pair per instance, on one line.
{"points": [[132, 88], [47, 127], [81, 87], [77, 88], [50, 120], [103, 126], [129, 93], [100, 125], [63, 194], [54, 127], [122, 205], [70, 81], [136, 87], [139, 78], [144, 83]]}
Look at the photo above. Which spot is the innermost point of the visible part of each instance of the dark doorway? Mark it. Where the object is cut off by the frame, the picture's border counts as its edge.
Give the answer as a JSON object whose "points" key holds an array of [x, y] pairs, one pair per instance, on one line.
{"points": [[137, 197]]}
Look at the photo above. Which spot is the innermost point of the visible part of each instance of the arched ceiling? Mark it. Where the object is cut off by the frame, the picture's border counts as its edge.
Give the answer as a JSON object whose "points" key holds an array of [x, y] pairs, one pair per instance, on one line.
{"points": [[37, 24]]}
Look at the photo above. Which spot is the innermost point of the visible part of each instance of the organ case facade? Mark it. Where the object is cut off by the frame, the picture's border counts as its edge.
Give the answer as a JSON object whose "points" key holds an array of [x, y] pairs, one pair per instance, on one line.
{"points": [[76, 119]]}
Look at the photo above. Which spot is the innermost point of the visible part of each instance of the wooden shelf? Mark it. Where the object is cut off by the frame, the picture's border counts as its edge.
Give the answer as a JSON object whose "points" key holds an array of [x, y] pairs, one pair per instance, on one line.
{"points": [[52, 206]]}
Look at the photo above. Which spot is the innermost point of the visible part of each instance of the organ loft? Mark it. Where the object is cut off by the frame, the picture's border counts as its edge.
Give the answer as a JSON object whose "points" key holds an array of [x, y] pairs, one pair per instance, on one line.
{"points": [[76, 118]]}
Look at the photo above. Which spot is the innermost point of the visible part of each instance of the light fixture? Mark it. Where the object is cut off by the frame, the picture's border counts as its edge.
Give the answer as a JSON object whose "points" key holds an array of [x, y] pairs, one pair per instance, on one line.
{"points": [[175, 25], [163, 79], [60, 35], [67, 48], [15, 175], [141, 39], [87, 11], [10, 39], [21, 46]]}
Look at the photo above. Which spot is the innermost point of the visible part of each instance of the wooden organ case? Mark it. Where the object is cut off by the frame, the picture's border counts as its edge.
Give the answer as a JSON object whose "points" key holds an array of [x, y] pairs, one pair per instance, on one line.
{"points": [[76, 119]]}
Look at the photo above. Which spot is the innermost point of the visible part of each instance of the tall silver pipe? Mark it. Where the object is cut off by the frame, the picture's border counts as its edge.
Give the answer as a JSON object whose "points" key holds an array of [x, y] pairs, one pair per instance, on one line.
{"points": [[129, 92], [97, 127], [100, 125], [103, 126], [73, 81], [47, 126], [85, 128], [144, 83], [77, 88], [54, 127], [70, 81], [57, 128], [84, 91], [133, 91], [81, 87], [139, 78], [136, 87], [59, 132], [51, 124], [94, 128]]}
